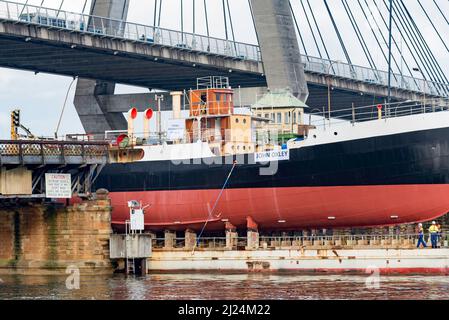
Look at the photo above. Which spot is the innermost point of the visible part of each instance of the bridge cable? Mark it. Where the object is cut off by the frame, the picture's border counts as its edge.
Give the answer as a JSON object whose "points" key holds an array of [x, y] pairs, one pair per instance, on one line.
{"points": [[394, 40], [59, 9], [225, 20], [345, 51], [424, 42], [408, 27], [433, 25], [84, 6], [232, 26], [359, 35], [385, 40], [255, 30], [155, 12], [298, 30], [311, 29], [193, 17], [377, 39], [182, 22], [206, 16], [418, 43], [159, 16], [319, 31], [410, 45], [421, 41], [439, 9], [23, 8]]}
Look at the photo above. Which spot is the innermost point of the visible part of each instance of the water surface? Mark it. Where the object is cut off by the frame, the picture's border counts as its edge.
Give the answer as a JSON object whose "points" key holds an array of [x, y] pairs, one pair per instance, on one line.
{"points": [[220, 286]]}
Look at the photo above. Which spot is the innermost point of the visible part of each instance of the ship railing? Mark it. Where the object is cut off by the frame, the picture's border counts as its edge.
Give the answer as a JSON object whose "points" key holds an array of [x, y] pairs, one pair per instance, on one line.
{"points": [[323, 118], [120, 29]]}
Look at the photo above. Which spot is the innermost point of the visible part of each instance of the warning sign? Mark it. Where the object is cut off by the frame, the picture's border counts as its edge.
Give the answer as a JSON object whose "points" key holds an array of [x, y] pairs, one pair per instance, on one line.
{"points": [[58, 186]]}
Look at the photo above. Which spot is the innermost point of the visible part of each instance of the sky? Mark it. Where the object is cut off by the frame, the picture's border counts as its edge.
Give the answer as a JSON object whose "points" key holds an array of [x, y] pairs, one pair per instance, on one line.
{"points": [[41, 97]]}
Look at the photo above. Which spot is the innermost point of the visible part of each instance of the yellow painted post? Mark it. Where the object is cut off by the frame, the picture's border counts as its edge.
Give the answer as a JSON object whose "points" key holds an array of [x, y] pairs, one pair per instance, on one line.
{"points": [[379, 111]]}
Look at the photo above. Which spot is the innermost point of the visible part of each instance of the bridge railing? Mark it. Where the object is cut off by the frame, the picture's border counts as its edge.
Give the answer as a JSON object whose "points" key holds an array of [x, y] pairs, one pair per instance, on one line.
{"points": [[106, 27], [65, 20], [377, 77], [28, 152]]}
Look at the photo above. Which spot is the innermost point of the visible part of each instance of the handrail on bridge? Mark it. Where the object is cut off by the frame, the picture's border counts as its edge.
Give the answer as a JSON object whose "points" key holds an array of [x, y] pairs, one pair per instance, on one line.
{"points": [[80, 22], [108, 27]]}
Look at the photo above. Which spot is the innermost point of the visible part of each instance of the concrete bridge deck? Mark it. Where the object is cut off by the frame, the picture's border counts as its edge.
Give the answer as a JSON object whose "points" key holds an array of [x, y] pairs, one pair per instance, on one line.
{"points": [[112, 50]]}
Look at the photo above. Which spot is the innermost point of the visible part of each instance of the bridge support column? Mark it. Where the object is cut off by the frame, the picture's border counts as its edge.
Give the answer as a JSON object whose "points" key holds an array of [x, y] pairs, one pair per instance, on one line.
{"points": [[279, 46], [92, 112]]}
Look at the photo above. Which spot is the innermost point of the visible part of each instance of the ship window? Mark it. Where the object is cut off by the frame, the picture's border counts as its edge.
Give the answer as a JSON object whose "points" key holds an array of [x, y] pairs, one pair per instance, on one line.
{"points": [[244, 121], [294, 118], [244, 147], [217, 97], [267, 116], [204, 98], [237, 120]]}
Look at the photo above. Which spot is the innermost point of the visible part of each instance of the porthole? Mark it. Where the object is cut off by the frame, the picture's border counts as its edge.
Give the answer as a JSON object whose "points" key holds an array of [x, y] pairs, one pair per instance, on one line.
{"points": [[335, 133], [314, 136], [237, 120]]}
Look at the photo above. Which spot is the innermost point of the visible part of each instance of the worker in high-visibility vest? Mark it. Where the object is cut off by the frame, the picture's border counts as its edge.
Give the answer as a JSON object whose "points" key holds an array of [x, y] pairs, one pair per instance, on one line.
{"points": [[421, 236], [434, 234]]}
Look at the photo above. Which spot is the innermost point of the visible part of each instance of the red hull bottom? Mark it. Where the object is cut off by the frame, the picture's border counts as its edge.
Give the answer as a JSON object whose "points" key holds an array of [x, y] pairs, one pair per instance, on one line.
{"points": [[293, 208]]}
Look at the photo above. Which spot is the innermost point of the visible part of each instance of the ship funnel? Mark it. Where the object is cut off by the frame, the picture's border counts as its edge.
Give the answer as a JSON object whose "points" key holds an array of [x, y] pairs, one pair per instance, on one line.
{"points": [[176, 104], [146, 123], [132, 115]]}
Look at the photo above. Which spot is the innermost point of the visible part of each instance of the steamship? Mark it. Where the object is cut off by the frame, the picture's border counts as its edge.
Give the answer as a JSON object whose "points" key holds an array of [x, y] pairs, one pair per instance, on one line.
{"points": [[222, 167]]}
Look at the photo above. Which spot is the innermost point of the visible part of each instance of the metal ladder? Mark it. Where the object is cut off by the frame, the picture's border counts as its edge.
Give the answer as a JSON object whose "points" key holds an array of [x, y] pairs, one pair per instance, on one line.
{"points": [[130, 262]]}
